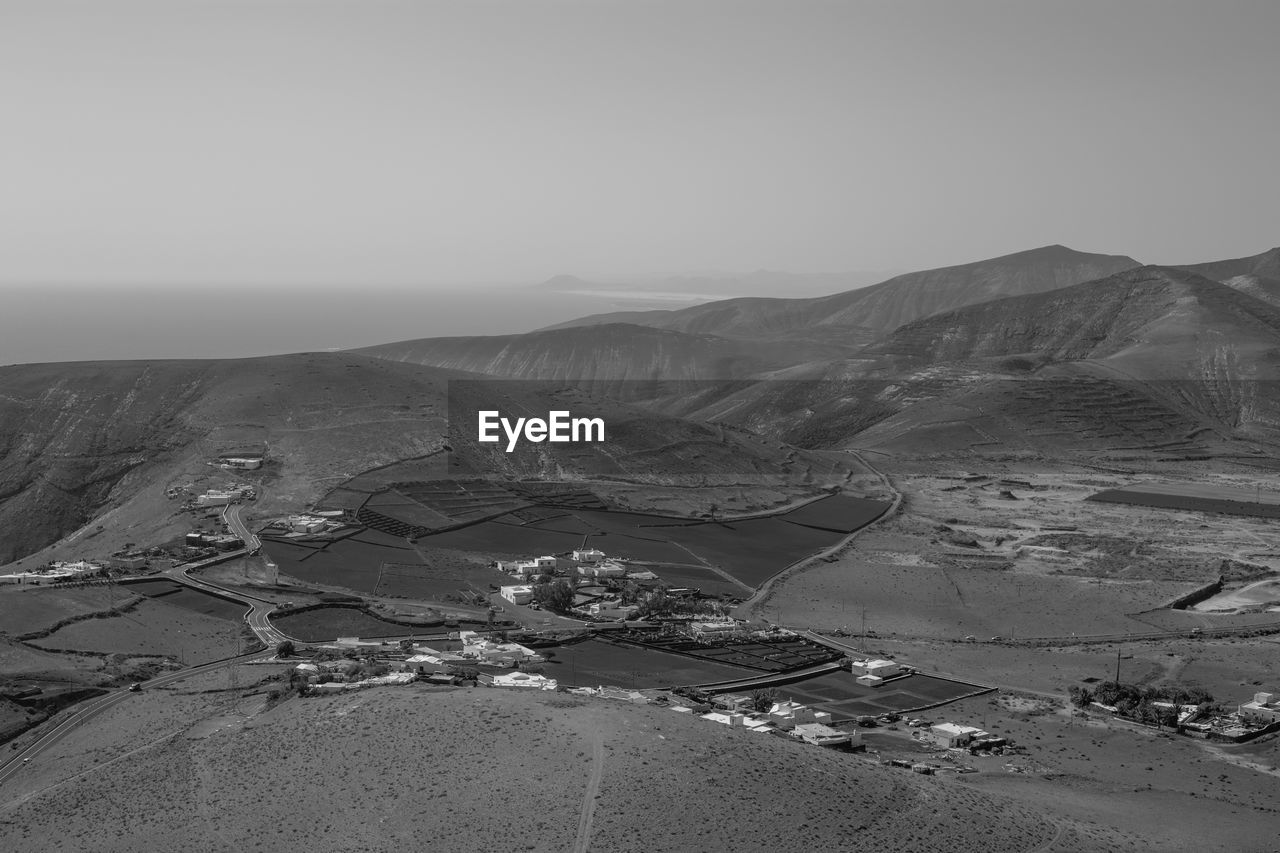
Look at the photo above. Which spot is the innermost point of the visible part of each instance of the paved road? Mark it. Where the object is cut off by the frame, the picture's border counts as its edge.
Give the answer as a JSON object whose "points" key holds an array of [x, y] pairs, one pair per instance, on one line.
{"points": [[86, 711], [258, 617], [231, 515]]}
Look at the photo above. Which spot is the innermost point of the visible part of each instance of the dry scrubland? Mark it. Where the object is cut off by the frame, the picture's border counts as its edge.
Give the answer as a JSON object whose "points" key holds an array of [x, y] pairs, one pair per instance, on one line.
{"points": [[952, 562], [151, 627], [26, 609], [397, 769], [1174, 793]]}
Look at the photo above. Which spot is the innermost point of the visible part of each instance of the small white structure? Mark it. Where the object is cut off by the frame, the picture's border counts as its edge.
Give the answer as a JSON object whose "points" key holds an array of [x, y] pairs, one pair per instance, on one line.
{"points": [[305, 523], [214, 498], [821, 734], [733, 719], [953, 735], [495, 653], [869, 680], [1264, 709], [244, 463], [526, 680], [713, 630], [588, 555], [879, 667], [517, 594], [787, 715]]}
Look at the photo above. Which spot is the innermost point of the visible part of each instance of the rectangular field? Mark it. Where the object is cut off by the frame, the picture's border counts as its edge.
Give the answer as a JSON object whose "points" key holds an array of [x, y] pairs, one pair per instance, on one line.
{"points": [[838, 694], [593, 663], [1195, 497], [329, 623]]}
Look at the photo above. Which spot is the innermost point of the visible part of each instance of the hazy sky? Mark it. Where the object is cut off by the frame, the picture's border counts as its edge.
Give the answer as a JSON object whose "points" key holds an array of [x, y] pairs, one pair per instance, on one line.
{"points": [[391, 142]]}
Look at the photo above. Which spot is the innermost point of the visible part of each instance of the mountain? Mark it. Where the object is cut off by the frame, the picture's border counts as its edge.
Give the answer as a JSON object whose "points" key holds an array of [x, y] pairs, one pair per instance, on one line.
{"points": [[608, 353], [694, 287], [88, 449], [863, 315], [1258, 275], [1155, 322], [1154, 360]]}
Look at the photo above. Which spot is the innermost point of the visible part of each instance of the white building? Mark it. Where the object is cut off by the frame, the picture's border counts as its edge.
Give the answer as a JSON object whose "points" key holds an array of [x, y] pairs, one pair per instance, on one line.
{"points": [[879, 667], [589, 555], [953, 735], [214, 498], [713, 630], [517, 594], [1264, 709], [869, 680], [244, 463], [787, 715], [494, 653], [525, 680], [821, 734]]}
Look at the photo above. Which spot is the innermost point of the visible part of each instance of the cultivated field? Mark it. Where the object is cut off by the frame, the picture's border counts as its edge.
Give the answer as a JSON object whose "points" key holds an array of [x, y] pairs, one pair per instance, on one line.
{"points": [[539, 772], [845, 699], [328, 623], [592, 663]]}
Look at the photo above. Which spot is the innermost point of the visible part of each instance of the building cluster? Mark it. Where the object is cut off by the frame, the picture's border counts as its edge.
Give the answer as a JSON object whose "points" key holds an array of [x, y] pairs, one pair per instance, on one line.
{"points": [[227, 496], [306, 524], [873, 673], [56, 572], [217, 541], [1253, 718], [783, 718]]}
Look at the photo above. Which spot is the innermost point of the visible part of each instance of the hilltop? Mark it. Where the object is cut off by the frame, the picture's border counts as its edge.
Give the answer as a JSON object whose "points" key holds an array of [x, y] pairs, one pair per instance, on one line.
{"points": [[461, 769], [1256, 275], [863, 315], [606, 353]]}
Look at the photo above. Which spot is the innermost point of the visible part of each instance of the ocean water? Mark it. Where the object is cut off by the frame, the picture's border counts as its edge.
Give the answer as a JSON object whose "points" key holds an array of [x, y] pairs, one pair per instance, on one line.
{"points": [[80, 323]]}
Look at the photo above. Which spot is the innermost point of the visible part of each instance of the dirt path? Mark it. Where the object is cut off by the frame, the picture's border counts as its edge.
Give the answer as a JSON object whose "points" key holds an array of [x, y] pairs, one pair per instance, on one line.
{"points": [[583, 841]]}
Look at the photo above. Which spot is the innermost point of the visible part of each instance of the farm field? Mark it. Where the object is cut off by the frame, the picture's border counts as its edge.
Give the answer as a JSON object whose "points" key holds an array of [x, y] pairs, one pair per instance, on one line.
{"points": [[328, 623], [751, 550], [697, 577], [353, 562], [1192, 497], [845, 699], [152, 627], [592, 663], [180, 595], [443, 574], [25, 609]]}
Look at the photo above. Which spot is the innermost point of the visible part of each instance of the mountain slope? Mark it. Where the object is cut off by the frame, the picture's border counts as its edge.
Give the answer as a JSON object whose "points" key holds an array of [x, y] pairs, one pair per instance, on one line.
{"points": [[1160, 322], [83, 441], [860, 316], [1257, 275], [606, 353]]}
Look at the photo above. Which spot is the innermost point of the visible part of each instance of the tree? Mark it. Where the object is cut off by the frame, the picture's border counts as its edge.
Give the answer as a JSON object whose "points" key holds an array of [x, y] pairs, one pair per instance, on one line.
{"points": [[1080, 696], [556, 596], [285, 649], [762, 700]]}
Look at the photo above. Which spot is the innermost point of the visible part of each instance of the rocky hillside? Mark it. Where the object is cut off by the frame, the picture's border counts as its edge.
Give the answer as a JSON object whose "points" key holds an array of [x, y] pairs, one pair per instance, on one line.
{"points": [[482, 770], [1257, 275], [863, 315], [609, 353]]}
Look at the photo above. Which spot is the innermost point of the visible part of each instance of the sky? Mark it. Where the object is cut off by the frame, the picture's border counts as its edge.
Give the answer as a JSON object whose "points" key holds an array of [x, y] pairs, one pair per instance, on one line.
{"points": [[311, 143]]}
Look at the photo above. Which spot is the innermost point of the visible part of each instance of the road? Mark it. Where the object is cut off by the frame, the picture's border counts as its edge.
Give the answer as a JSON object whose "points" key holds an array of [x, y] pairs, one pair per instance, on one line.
{"points": [[231, 515], [86, 711]]}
